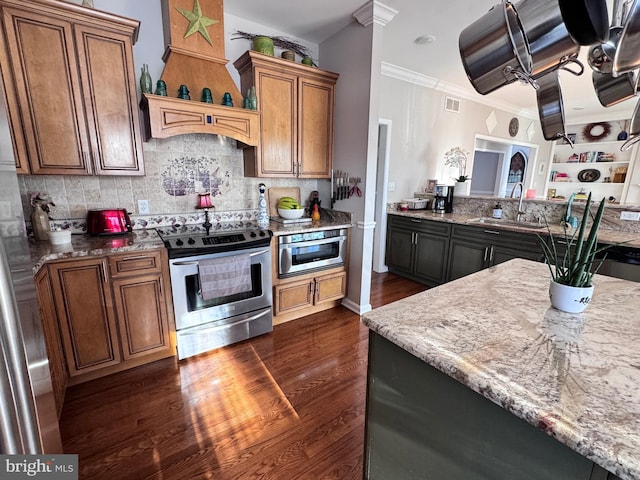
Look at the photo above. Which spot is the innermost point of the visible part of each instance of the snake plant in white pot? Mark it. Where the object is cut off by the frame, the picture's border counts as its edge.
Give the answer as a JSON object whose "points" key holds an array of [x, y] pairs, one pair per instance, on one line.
{"points": [[573, 262]]}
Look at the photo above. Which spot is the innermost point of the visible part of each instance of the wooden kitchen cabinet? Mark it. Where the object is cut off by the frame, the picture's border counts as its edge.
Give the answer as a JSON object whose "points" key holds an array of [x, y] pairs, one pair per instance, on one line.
{"points": [[113, 313], [69, 71], [418, 248], [55, 353], [140, 303], [475, 248], [84, 307], [296, 103], [310, 292]]}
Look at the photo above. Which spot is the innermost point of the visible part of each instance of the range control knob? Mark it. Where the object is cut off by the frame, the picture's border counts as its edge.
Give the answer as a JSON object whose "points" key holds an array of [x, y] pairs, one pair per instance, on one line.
{"points": [[252, 234], [262, 234], [191, 241], [179, 242]]}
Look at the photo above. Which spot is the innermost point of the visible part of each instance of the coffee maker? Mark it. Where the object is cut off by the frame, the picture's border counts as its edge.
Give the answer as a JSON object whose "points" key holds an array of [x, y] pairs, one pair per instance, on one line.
{"points": [[443, 199]]}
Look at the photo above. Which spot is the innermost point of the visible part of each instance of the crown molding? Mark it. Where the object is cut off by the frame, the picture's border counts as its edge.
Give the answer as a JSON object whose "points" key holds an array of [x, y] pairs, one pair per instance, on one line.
{"points": [[374, 12], [422, 80]]}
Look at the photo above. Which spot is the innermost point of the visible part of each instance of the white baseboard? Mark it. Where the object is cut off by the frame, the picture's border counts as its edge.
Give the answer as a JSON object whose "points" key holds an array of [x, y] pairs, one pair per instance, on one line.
{"points": [[355, 307]]}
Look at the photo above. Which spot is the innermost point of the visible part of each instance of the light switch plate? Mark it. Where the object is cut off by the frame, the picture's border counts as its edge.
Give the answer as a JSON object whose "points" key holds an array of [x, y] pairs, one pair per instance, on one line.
{"points": [[143, 207]]}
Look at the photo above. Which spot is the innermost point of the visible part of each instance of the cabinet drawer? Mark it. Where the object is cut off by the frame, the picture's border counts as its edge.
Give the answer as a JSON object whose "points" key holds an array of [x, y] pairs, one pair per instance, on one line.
{"points": [[421, 225], [135, 263]]}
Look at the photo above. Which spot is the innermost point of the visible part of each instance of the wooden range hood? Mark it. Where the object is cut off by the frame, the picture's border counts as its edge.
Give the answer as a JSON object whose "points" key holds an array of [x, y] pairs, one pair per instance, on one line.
{"points": [[191, 60]]}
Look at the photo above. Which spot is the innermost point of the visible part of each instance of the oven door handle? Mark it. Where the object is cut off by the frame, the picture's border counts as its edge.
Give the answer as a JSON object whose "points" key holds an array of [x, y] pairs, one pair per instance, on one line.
{"points": [[312, 243], [195, 262], [206, 329]]}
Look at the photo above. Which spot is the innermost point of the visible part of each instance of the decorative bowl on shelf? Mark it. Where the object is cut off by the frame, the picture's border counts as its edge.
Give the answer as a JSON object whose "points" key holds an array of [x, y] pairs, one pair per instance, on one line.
{"points": [[291, 214]]}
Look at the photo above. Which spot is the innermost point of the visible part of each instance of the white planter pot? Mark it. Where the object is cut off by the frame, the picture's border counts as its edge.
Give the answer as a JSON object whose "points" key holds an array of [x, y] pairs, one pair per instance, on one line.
{"points": [[461, 189], [569, 299]]}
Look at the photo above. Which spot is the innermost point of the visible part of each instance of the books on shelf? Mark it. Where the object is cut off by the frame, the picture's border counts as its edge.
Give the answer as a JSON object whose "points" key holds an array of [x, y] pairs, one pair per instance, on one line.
{"points": [[591, 157], [559, 176]]}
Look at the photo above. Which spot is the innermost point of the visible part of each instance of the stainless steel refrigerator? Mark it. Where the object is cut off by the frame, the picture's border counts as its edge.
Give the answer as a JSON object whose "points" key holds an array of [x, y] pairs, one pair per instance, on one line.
{"points": [[28, 419]]}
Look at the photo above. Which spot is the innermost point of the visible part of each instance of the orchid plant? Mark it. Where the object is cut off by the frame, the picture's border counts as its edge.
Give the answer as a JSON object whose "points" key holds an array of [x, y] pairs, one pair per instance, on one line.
{"points": [[42, 200], [457, 157]]}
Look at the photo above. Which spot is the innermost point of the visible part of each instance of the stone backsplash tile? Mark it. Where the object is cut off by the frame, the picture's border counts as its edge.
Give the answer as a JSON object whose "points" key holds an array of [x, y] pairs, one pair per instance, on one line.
{"points": [[176, 169]]}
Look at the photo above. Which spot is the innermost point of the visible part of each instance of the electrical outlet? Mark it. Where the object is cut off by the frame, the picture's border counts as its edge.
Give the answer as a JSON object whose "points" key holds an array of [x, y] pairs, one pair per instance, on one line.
{"points": [[625, 215], [391, 186], [143, 207]]}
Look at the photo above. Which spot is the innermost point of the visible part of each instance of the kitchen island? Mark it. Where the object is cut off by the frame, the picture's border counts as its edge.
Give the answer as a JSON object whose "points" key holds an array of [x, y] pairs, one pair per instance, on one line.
{"points": [[480, 378]]}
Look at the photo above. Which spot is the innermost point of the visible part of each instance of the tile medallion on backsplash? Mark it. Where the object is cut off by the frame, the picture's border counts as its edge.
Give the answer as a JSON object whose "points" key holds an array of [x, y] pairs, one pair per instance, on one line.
{"points": [[188, 175]]}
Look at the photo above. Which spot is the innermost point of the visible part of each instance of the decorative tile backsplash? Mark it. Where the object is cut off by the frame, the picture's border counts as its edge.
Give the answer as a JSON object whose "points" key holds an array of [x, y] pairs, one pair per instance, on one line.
{"points": [[177, 169]]}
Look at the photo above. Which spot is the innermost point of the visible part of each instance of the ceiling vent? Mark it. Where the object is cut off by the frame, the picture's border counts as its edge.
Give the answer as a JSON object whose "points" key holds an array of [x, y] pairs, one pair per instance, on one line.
{"points": [[452, 105]]}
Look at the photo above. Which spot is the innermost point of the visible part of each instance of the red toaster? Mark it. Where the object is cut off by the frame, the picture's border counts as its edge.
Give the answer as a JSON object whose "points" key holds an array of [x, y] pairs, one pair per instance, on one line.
{"points": [[108, 221]]}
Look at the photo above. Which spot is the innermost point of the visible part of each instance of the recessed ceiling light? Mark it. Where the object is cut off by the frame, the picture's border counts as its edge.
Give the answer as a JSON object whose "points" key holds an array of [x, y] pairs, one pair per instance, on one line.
{"points": [[424, 39], [577, 108]]}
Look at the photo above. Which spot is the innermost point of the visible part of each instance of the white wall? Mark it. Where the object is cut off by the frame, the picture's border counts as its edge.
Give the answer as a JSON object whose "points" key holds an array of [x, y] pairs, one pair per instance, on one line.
{"points": [[423, 131], [350, 53]]}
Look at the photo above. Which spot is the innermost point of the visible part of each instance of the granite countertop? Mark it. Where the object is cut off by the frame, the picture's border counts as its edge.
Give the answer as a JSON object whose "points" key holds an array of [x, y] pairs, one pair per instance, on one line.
{"points": [[575, 376], [83, 245], [329, 219], [604, 235]]}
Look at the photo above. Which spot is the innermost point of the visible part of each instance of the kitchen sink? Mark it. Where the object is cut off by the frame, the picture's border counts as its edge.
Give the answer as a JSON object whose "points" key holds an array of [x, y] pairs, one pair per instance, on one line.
{"points": [[507, 223]]}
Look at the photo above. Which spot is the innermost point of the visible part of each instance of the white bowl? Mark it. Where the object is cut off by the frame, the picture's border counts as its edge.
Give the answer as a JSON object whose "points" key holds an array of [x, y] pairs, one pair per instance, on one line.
{"points": [[288, 214], [60, 237]]}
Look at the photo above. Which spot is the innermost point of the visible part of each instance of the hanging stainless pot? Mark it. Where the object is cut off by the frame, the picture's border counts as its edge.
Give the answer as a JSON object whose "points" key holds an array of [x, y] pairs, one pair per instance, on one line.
{"points": [[611, 90], [550, 107], [549, 41], [600, 57], [587, 21], [494, 50], [627, 55]]}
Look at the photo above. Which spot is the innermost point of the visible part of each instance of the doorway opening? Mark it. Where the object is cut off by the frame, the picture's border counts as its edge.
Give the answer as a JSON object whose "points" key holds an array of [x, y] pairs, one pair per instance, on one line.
{"points": [[499, 164]]}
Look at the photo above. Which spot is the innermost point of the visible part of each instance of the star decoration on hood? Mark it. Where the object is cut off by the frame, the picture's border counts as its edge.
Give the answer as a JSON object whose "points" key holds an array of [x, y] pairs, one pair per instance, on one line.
{"points": [[197, 21]]}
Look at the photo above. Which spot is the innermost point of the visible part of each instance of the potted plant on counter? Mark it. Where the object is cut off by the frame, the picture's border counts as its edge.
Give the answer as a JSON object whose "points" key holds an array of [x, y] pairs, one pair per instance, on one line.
{"points": [[573, 261]]}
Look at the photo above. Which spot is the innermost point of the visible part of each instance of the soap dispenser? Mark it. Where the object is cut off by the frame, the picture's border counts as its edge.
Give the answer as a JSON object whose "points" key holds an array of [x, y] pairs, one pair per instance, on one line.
{"points": [[497, 211]]}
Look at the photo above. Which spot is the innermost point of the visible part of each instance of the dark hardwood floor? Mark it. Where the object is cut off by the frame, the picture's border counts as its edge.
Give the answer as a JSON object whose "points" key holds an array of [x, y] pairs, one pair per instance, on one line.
{"points": [[288, 405]]}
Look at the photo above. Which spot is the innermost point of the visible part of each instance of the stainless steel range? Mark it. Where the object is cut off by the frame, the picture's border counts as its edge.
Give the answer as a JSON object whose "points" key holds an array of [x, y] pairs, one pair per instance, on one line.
{"points": [[221, 283]]}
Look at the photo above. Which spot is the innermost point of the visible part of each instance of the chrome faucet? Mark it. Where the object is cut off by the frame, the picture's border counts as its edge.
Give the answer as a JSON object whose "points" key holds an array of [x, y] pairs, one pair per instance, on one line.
{"points": [[520, 211]]}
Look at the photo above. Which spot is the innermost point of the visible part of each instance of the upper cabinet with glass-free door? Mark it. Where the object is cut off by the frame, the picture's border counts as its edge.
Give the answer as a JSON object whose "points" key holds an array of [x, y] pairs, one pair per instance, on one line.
{"points": [[70, 81], [296, 103]]}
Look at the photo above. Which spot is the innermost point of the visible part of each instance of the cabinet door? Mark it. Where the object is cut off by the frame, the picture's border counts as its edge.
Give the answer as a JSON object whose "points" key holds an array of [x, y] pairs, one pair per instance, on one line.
{"points": [[466, 257], [330, 287], [57, 365], [293, 296], [277, 102], [501, 254], [315, 128], [51, 115], [141, 310], [84, 306], [430, 259], [109, 89], [399, 254]]}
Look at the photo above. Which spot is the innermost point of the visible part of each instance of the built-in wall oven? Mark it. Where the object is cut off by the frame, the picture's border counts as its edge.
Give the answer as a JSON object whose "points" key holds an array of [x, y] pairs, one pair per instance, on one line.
{"points": [[306, 252], [221, 286]]}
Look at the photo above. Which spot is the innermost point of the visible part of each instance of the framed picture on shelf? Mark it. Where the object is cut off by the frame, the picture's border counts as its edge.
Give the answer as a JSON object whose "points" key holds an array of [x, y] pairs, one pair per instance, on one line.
{"points": [[551, 193], [431, 185], [571, 138]]}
